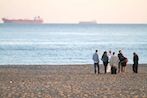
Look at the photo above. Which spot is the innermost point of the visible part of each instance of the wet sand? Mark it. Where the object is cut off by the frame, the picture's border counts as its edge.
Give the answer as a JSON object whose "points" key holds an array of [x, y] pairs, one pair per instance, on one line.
{"points": [[74, 81]]}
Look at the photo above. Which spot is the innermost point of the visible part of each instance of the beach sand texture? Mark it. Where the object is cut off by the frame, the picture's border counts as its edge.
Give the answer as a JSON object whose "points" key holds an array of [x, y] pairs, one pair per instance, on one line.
{"points": [[74, 81]]}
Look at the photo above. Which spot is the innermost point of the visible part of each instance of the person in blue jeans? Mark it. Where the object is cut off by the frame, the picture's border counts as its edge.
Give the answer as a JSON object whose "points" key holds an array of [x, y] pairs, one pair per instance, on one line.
{"points": [[96, 61]]}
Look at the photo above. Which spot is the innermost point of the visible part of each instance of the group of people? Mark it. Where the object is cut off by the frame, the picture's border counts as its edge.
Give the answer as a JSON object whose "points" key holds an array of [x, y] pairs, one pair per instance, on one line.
{"points": [[112, 62]]}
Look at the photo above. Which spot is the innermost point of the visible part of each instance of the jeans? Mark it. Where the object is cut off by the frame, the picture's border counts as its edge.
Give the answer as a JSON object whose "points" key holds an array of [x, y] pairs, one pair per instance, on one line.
{"points": [[105, 66], [96, 65]]}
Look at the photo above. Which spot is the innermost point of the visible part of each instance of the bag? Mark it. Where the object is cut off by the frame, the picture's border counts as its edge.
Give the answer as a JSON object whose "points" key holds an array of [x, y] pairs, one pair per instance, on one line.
{"points": [[126, 60], [113, 70]]}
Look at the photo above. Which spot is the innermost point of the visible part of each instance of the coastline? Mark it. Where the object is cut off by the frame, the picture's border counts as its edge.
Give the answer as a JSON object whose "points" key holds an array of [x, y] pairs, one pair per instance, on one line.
{"points": [[58, 81]]}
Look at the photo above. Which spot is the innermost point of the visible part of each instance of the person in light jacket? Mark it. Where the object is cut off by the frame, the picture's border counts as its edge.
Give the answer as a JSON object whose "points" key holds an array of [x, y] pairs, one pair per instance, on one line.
{"points": [[108, 66], [96, 60], [114, 60]]}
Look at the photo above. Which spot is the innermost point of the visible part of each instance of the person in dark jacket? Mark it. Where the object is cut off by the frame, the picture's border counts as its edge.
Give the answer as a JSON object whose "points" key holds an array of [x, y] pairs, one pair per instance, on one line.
{"points": [[123, 64], [135, 63], [105, 61], [120, 56]]}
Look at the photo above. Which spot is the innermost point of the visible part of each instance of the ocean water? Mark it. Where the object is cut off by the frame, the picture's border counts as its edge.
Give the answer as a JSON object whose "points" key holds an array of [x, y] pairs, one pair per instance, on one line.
{"points": [[69, 43]]}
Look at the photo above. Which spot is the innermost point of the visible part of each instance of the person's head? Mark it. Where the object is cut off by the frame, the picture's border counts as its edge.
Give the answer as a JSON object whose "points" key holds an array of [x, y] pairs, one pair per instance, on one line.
{"points": [[120, 51], [105, 52], [113, 53], [110, 51], [134, 53], [96, 51]]}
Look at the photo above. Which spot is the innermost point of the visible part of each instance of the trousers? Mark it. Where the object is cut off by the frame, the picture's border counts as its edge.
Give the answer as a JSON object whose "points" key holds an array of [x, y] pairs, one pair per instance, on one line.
{"points": [[96, 65]]}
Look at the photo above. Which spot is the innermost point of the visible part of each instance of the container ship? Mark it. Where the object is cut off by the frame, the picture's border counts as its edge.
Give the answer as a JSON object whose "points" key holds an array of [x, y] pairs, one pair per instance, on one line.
{"points": [[36, 20], [88, 22]]}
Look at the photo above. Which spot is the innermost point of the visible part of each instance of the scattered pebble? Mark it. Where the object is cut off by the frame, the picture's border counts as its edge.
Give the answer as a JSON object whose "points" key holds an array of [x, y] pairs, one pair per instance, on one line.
{"points": [[74, 81]]}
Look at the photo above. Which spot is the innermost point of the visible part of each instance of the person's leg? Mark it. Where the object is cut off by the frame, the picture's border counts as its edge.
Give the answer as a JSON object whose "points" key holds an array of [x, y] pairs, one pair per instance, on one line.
{"points": [[98, 68], [124, 69], [119, 67], [105, 67], [116, 70], [133, 68], [95, 68], [108, 68], [111, 70], [136, 68]]}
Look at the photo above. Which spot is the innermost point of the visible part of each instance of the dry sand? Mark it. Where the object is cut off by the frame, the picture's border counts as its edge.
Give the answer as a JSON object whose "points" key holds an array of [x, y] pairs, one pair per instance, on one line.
{"points": [[74, 81]]}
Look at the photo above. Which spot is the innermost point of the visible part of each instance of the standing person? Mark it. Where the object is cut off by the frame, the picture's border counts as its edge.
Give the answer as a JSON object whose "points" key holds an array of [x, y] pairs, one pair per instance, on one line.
{"points": [[114, 60], [108, 66], [105, 61], [123, 64], [96, 61], [120, 56], [135, 62]]}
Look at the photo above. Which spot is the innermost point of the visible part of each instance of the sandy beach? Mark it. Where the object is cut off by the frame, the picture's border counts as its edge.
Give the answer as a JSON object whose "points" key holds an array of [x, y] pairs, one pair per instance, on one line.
{"points": [[70, 81]]}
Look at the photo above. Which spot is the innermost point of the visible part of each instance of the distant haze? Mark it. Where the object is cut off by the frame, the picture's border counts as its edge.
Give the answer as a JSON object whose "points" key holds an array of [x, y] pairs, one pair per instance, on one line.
{"points": [[73, 11]]}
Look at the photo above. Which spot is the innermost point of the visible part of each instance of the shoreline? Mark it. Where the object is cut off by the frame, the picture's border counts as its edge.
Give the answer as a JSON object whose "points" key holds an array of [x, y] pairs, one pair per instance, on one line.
{"points": [[76, 81], [58, 64]]}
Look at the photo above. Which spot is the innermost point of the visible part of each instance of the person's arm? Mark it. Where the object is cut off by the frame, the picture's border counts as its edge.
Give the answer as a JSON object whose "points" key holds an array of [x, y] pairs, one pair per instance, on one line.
{"points": [[98, 59], [137, 58], [134, 59], [107, 59], [118, 60]]}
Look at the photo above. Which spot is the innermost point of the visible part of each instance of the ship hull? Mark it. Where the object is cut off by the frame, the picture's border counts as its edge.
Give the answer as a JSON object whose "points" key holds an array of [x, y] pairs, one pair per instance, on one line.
{"points": [[88, 22], [22, 21]]}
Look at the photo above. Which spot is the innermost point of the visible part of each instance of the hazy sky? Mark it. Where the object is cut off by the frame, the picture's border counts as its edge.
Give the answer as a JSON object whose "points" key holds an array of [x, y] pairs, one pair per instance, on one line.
{"points": [[73, 11]]}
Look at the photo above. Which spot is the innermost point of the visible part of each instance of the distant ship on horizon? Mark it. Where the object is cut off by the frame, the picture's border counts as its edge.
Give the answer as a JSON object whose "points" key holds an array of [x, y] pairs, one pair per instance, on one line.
{"points": [[36, 20], [88, 22]]}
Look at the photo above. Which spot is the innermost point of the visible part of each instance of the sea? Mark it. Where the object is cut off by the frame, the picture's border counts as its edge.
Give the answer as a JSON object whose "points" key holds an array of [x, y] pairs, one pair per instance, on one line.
{"points": [[58, 44]]}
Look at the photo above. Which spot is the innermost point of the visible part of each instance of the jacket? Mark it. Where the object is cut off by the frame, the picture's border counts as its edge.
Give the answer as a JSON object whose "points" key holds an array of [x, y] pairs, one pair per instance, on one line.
{"points": [[95, 58], [114, 60], [105, 58]]}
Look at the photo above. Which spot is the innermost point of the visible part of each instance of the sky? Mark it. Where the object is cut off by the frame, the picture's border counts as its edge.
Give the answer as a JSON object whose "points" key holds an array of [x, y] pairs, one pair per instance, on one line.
{"points": [[73, 11]]}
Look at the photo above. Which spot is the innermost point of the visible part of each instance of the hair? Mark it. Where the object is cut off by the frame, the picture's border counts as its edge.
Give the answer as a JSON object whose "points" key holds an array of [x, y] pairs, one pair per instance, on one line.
{"points": [[104, 53], [96, 50], [134, 53], [120, 51], [113, 53], [110, 51]]}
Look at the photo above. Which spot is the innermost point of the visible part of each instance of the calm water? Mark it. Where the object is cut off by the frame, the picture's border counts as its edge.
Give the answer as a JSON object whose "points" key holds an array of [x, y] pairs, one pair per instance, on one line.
{"points": [[69, 43]]}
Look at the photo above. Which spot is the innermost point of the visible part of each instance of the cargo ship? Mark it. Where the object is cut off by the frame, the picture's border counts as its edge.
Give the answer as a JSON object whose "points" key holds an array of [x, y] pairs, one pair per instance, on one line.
{"points": [[88, 22], [36, 20]]}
